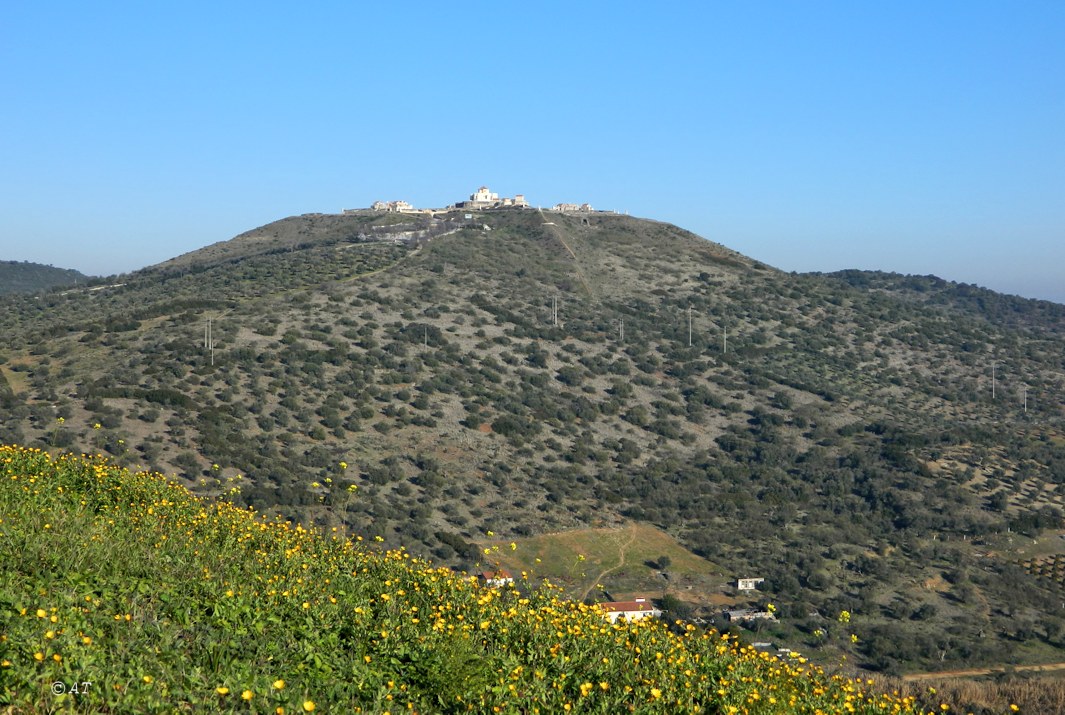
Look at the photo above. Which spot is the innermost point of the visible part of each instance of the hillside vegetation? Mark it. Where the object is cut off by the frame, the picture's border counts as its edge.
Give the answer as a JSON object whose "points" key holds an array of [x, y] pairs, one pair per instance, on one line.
{"points": [[122, 592], [26, 277], [888, 446]]}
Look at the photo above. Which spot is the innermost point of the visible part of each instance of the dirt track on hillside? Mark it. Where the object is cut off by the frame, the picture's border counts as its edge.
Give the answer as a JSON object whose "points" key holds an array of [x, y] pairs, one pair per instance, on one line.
{"points": [[978, 672], [621, 551]]}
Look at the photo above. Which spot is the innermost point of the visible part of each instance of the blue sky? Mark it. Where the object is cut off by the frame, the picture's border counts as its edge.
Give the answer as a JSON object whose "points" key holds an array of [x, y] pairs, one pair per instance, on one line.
{"points": [[904, 136]]}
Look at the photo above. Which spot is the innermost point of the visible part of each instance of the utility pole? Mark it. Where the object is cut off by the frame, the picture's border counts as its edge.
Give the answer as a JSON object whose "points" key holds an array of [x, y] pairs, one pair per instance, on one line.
{"points": [[554, 310], [425, 338], [1026, 399], [724, 340], [992, 381], [622, 329], [208, 338], [689, 326]]}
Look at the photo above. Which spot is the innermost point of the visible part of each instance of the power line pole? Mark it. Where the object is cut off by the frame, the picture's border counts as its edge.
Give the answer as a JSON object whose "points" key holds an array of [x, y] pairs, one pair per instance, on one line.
{"points": [[689, 326], [554, 310], [992, 381], [208, 338], [622, 329], [1026, 399], [724, 340]]}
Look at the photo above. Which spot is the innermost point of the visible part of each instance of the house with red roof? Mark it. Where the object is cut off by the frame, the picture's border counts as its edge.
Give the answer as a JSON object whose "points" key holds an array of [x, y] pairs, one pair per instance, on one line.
{"points": [[630, 610], [497, 578]]}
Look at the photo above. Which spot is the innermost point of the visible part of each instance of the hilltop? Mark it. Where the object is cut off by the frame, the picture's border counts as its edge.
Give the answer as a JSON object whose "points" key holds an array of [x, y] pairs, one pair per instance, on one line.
{"points": [[26, 277], [867, 443]]}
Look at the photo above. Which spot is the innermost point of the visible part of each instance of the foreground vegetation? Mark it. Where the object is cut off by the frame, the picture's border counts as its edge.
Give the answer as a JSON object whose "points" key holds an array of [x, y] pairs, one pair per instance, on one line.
{"points": [[141, 597]]}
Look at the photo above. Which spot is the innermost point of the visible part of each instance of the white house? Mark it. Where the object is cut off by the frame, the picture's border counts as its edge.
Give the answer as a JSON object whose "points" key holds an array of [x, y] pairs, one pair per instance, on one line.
{"points": [[496, 579], [630, 610], [748, 584], [572, 208], [401, 207]]}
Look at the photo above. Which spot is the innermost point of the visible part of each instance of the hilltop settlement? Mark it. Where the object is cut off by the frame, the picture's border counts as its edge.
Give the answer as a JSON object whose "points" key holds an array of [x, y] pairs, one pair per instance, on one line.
{"points": [[481, 200]]}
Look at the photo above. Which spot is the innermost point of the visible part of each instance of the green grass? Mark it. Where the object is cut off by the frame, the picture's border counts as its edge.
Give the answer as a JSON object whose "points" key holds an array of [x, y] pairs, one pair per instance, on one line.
{"points": [[165, 602], [590, 560]]}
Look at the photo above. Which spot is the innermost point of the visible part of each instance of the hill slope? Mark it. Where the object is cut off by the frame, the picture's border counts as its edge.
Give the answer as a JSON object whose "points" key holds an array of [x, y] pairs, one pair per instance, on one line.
{"points": [[25, 277], [121, 592], [842, 436]]}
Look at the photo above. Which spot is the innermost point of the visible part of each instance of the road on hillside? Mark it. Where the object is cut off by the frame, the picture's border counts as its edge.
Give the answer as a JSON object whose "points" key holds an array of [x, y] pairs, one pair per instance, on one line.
{"points": [[977, 672]]}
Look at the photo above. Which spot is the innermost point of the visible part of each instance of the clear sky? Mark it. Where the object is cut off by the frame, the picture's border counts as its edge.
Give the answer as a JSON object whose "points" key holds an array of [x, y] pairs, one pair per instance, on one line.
{"points": [[918, 137]]}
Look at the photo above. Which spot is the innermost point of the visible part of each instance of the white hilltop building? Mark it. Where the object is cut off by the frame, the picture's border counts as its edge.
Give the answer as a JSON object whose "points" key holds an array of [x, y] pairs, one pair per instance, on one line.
{"points": [[399, 207], [483, 198], [573, 208]]}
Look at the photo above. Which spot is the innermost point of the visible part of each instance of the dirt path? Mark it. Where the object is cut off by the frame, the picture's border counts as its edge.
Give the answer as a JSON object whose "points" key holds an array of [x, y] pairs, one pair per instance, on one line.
{"points": [[576, 265], [977, 672], [622, 548]]}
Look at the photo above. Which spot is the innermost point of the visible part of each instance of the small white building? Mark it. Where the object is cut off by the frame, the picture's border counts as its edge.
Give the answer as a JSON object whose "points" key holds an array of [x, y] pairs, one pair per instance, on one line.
{"points": [[630, 610], [496, 579], [572, 208], [400, 207], [748, 584]]}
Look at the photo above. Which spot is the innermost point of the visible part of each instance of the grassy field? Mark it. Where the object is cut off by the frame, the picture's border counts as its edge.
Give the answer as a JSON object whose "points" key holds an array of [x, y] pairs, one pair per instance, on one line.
{"points": [[121, 592], [616, 561]]}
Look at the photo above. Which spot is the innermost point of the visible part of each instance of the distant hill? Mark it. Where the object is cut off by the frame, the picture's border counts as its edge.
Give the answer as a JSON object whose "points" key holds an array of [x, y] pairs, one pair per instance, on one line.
{"points": [[25, 277], [892, 447]]}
